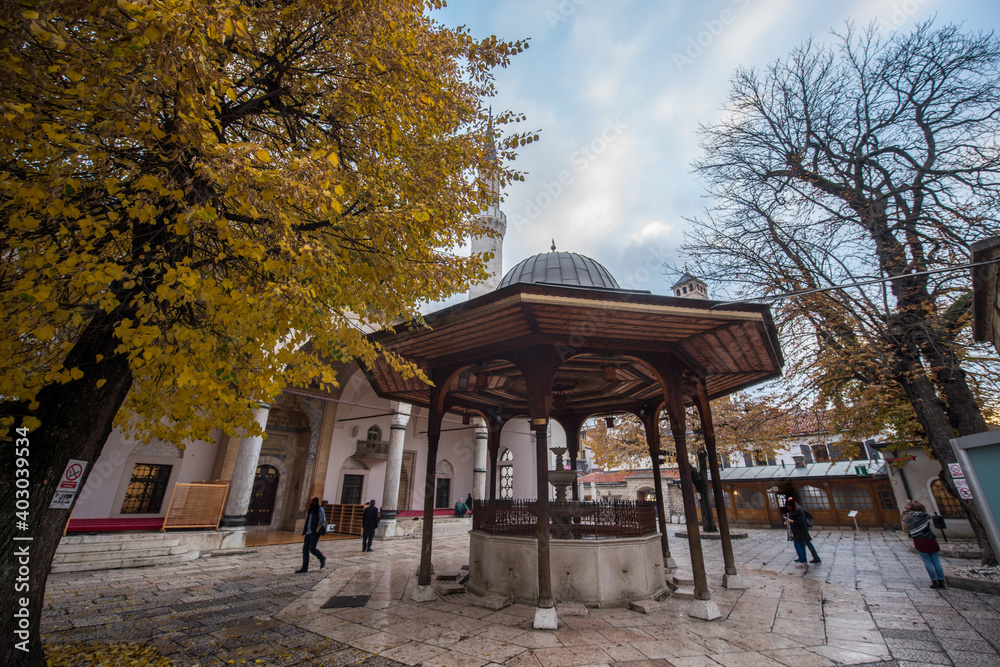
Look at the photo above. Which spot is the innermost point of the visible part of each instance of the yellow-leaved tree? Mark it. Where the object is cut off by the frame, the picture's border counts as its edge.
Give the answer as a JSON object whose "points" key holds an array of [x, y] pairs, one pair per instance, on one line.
{"points": [[203, 202]]}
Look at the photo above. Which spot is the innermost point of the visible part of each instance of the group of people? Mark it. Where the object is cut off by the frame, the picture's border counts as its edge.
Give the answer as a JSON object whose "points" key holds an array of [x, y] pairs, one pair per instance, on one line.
{"points": [[798, 520], [915, 519], [315, 527]]}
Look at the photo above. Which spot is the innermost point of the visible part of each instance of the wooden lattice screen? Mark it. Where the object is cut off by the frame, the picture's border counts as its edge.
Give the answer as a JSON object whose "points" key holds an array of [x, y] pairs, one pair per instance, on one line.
{"points": [[198, 505]]}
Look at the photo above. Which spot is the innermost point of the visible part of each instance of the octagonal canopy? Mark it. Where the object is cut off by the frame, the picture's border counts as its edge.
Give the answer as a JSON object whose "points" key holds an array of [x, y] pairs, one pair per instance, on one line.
{"points": [[481, 345]]}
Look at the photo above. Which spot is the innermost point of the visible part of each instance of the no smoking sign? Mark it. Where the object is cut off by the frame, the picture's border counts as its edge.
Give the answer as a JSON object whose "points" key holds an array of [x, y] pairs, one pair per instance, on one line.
{"points": [[71, 476]]}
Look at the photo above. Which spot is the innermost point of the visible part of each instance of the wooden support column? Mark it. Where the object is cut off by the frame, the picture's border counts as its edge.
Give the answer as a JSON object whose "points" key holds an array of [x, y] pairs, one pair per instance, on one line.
{"points": [[731, 579], [702, 606], [651, 422], [539, 367], [540, 427], [424, 592]]}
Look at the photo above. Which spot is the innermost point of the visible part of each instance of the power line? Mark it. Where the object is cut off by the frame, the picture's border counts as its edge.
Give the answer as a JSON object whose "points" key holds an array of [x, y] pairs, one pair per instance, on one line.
{"points": [[860, 283]]}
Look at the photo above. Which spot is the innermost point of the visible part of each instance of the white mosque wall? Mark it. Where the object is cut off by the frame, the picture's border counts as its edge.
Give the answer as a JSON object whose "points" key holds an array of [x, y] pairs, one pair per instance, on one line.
{"points": [[104, 491]]}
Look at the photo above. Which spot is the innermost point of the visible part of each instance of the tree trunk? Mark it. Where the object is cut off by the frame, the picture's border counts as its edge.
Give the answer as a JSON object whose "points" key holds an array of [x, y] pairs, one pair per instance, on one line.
{"points": [[938, 430], [76, 419]]}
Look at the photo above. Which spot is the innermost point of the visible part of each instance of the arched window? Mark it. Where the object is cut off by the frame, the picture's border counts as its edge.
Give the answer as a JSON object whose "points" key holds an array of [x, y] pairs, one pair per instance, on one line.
{"points": [[852, 498], [748, 499], [374, 434], [813, 498], [506, 466], [947, 504]]}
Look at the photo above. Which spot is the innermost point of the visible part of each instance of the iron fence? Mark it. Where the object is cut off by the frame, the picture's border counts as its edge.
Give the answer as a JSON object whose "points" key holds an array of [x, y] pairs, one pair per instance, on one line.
{"points": [[573, 520]]}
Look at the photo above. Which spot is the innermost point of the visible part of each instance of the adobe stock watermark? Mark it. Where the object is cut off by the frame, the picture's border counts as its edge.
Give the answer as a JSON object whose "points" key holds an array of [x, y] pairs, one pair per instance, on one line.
{"points": [[580, 159], [698, 44], [562, 12], [901, 14]]}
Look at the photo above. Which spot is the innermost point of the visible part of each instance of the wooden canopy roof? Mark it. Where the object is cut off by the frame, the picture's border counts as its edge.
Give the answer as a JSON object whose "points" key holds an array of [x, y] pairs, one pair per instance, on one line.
{"points": [[477, 345]]}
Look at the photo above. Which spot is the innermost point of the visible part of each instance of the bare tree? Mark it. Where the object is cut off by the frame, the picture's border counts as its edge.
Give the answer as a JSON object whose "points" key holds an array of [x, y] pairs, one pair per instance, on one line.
{"points": [[876, 157]]}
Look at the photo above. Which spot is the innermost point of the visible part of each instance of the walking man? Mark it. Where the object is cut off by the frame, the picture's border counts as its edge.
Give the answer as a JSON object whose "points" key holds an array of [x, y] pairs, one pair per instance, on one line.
{"points": [[369, 522], [315, 526], [797, 520]]}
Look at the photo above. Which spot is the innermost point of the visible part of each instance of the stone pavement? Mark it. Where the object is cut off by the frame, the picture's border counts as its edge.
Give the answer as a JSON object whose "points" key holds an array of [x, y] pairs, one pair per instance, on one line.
{"points": [[868, 603]]}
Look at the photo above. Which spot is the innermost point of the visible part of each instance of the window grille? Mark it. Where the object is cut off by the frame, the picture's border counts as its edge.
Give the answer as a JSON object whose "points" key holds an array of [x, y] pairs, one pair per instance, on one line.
{"points": [[948, 505], [506, 475], [353, 485], [146, 489]]}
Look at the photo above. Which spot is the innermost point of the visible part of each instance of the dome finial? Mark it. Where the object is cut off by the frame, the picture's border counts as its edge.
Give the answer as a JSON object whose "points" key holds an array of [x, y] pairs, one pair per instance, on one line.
{"points": [[553, 245]]}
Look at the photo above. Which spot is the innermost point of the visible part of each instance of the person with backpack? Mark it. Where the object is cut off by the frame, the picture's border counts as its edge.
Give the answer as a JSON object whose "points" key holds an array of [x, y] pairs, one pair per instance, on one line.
{"points": [[799, 520], [918, 525]]}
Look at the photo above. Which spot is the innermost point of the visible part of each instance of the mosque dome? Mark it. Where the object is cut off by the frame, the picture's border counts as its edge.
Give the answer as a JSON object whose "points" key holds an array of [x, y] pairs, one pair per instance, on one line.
{"points": [[560, 268]]}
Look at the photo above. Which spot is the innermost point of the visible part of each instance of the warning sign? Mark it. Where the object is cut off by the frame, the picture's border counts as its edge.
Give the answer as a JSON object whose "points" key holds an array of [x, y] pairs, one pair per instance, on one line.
{"points": [[956, 470], [71, 477], [962, 486]]}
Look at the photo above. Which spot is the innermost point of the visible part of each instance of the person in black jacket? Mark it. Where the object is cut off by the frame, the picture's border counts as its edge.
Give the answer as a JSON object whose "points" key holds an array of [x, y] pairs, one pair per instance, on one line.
{"points": [[369, 522], [796, 520], [918, 525], [315, 526]]}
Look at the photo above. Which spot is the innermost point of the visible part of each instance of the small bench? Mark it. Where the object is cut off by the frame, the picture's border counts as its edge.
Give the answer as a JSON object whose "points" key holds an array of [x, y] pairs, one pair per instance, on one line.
{"points": [[114, 525]]}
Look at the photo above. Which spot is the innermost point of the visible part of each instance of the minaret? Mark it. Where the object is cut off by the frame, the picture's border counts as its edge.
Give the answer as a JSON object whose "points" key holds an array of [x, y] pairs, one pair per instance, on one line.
{"points": [[690, 287], [493, 218]]}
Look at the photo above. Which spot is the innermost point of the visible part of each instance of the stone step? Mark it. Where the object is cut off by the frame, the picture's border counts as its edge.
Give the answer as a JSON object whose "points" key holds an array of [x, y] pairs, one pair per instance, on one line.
{"points": [[97, 556], [683, 593], [113, 564], [646, 606], [130, 545], [448, 588], [491, 601], [682, 579]]}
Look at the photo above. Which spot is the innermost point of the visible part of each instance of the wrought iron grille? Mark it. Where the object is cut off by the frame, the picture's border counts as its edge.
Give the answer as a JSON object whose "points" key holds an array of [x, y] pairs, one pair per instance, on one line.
{"points": [[146, 489], [570, 520]]}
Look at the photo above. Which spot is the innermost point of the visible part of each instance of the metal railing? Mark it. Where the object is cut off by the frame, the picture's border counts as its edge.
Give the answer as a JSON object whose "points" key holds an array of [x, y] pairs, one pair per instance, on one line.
{"points": [[571, 520]]}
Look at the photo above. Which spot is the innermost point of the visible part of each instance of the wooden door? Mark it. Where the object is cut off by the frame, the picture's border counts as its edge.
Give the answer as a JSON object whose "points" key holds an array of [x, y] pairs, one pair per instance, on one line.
{"points": [[263, 495]]}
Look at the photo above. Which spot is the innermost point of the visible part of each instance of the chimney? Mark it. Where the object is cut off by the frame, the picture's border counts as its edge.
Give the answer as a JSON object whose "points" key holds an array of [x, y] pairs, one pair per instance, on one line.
{"points": [[800, 461]]}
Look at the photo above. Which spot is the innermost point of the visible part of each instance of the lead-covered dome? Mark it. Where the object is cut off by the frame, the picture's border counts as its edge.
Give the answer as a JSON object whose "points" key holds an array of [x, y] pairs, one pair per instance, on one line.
{"points": [[560, 268]]}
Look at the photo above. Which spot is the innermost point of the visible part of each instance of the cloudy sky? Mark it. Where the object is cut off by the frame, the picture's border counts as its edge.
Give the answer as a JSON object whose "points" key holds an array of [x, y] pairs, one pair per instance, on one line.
{"points": [[618, 89]]}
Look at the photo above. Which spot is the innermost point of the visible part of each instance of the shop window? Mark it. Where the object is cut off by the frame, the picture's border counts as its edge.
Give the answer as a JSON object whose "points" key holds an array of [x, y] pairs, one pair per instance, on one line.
{"points": [[725, 499], [748, 499], [146, 489], [813, 498], [947, 504], [852, 498]]}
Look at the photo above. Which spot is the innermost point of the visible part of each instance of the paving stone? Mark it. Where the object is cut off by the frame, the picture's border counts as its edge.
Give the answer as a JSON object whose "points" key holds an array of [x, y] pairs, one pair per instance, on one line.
{"points": [[211, 610]]}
